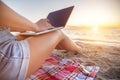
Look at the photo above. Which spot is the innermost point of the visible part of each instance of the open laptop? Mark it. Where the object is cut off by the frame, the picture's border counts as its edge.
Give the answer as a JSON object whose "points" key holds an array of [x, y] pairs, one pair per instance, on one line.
{"points": [[58, 20]]}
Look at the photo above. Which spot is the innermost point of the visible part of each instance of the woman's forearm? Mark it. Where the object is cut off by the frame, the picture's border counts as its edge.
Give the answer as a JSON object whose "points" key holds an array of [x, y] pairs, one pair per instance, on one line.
{"points": [[14, 21]]}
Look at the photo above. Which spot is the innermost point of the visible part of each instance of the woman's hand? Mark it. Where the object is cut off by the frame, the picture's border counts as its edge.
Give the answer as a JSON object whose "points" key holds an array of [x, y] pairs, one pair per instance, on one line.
{"points": [[43, 24]]}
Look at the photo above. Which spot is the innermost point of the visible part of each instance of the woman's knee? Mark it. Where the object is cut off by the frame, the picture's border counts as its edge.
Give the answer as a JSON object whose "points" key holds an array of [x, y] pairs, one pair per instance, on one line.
{"points": [[60, 34]]}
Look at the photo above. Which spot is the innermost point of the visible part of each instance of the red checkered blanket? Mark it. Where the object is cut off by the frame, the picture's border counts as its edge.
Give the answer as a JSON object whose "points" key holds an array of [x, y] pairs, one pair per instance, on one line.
{"points": [[55, 68]]}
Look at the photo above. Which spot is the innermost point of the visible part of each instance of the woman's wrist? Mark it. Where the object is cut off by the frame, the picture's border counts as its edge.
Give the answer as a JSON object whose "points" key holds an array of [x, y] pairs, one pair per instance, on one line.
{"points": [[35, 28]]}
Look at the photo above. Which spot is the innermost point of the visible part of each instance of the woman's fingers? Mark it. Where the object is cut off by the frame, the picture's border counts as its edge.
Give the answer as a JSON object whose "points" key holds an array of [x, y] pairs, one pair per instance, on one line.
{"points": [[44, 24]]}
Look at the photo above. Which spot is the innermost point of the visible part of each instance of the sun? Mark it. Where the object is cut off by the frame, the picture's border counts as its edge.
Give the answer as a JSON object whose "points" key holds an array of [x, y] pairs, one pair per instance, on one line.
{"points": [[95, 28]]}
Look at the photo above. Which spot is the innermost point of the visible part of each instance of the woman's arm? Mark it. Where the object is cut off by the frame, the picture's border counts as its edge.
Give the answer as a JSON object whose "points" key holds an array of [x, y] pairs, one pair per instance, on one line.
{"points": [[14, 21]]}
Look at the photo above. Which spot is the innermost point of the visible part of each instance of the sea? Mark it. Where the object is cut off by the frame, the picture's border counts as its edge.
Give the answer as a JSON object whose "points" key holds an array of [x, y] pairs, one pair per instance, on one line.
{"points": [[107, 36]]}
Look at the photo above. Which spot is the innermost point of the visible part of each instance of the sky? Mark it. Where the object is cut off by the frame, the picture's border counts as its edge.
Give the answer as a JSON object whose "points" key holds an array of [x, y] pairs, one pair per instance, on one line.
{"points": [[86, 12]]}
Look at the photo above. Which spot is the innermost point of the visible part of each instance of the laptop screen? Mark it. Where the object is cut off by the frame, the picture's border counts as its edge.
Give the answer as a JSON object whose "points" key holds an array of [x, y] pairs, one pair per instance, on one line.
{"points": [[59, 18]]}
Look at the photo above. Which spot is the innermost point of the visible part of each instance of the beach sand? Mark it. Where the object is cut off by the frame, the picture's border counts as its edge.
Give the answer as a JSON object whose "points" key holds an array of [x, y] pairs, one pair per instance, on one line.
{"points": [[105, 56]]}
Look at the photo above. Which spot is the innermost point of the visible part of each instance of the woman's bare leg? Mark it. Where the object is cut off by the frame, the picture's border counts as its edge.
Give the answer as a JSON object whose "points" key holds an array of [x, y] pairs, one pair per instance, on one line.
{"points": [[63, 45], [42, 46], [67, 44]]}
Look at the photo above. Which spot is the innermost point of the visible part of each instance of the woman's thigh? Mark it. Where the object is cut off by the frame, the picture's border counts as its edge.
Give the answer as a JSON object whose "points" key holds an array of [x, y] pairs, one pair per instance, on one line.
{"points": [[40, 48]]}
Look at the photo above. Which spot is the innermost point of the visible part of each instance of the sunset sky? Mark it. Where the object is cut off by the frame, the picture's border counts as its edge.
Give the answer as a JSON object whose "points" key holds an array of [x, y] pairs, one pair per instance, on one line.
{"points": [[93, 13]]}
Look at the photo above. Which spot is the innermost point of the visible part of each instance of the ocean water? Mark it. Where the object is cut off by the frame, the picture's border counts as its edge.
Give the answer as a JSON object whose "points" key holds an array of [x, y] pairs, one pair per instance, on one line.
{"points": [[104, 36]]}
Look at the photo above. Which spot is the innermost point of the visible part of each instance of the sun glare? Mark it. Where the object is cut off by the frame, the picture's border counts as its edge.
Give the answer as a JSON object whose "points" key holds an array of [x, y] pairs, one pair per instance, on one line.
{"points": [[95, 29], [92, 17]]}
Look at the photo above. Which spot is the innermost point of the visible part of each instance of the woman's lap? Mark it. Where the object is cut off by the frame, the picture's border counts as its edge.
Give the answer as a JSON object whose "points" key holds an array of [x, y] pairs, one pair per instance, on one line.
{"points": [[14, 59]]}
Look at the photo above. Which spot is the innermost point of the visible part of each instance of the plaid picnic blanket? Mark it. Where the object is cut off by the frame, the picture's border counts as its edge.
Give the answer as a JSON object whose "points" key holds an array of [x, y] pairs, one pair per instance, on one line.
{"points": [[55, 68]]}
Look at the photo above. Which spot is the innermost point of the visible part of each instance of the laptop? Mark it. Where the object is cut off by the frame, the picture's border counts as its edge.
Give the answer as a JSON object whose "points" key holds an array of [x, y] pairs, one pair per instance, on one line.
{"points": [[58, 20]]}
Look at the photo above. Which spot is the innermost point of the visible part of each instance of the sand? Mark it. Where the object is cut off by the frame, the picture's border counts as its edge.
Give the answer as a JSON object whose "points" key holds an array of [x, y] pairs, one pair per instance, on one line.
{"points": [[107, 57]]}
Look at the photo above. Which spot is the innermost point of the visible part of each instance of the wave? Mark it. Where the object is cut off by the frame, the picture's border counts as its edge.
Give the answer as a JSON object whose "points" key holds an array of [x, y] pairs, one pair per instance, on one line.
{"points": [[91, 40]]}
